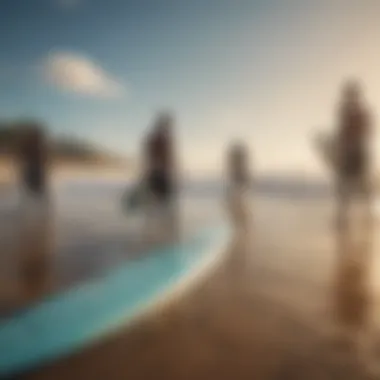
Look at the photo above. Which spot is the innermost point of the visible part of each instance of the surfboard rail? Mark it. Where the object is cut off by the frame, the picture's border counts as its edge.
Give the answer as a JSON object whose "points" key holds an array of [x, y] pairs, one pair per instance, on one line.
{"points": [[69, 321]]}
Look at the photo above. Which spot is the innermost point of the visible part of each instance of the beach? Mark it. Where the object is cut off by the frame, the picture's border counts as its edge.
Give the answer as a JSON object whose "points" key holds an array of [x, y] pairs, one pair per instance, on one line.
{"points": [[89, 233], [273, 307]]}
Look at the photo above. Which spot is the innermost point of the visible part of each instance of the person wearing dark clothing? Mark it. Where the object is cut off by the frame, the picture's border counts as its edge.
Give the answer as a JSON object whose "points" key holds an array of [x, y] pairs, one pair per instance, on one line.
{"points": [[160, 160], [353, 138], [238, 170], [353, 133], [33, 161], [160, 177], [35, 215], [239, 181]]}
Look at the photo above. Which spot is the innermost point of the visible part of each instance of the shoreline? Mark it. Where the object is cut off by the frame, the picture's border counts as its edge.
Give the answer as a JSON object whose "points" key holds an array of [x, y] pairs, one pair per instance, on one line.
{"points": [[58, 171]]}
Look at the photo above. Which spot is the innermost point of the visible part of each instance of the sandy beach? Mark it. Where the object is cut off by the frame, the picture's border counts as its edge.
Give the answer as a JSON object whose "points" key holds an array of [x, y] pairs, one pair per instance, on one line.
{"points": [[88, 234], [292, 299]]}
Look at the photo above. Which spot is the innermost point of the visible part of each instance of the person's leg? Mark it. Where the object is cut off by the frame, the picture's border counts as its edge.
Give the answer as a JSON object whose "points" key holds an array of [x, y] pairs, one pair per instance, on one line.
{"points": [[157, 209], [363, 185], [150, 215], [343, 194], [34, 250], [172, 222], [166, 208], [237, 205], [46, 224], [24, 235], [43, 243], [367, 199]]}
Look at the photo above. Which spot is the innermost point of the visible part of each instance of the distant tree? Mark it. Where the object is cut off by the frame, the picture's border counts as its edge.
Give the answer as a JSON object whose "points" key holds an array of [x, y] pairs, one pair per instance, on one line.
{"points": [[61, 148]]}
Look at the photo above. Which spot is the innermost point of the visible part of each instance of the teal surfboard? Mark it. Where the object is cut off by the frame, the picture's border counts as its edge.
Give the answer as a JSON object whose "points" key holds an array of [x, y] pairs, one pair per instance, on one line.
{"points": [[67, 322]]}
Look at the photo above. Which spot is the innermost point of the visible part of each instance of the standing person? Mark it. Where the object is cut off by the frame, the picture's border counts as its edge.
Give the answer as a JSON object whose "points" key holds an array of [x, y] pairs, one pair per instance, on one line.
{"points": [[160, 172], [238, 170], [33, 160], [353, 139], [33, 157], [239, 181]]}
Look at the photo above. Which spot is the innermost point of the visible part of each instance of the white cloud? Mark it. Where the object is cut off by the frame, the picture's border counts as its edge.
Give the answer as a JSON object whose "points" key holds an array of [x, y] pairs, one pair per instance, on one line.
{"points": [[77, 73]]}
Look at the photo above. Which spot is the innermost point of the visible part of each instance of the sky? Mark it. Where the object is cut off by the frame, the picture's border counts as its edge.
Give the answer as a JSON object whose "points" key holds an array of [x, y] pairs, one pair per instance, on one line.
{"points": [[265, 72]]}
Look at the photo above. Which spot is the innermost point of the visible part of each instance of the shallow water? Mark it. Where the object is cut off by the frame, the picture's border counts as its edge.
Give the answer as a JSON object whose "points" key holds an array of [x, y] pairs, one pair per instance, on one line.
{"points": [[325, 283], [89, 233]]}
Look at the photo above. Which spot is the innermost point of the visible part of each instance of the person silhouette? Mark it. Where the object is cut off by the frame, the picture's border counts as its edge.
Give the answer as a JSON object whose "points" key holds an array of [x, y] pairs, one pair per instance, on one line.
{"points": [[238, 166], [34, 205], [239, 181], [160, 174], [353, 154]]}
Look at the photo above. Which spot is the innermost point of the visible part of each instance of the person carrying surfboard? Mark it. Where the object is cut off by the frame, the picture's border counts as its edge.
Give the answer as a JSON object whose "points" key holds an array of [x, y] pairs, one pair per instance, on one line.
{"points": [[354, 131]]}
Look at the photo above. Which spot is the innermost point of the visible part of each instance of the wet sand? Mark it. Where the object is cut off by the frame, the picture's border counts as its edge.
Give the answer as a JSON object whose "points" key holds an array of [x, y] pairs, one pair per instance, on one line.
{"points": [[292, 299], [86, 235]]}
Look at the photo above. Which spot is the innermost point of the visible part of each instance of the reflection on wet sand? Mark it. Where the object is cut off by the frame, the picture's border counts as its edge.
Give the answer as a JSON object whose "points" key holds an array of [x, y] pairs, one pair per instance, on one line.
{"points": [[29, 256], [352, 291], [36, 253], [260, 313], [48, 247]]}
